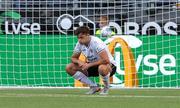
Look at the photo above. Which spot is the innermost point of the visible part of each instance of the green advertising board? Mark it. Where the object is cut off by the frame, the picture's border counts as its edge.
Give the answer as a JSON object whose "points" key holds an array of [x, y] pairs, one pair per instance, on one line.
{"points": [[40, 60], [157, 61]]}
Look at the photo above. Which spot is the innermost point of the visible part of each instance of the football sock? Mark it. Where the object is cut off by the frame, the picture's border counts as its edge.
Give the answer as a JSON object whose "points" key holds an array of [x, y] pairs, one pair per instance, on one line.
{"points": [[106, 80], [83, 78]]}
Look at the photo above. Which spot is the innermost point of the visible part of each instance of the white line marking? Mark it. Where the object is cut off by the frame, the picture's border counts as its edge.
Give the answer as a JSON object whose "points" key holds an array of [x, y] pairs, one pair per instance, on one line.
{"points": [[79, 95]]}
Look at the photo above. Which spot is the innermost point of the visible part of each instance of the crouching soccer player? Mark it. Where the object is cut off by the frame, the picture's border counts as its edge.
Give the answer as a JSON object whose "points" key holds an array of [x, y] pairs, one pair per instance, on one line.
{"points": [[99, 61]]}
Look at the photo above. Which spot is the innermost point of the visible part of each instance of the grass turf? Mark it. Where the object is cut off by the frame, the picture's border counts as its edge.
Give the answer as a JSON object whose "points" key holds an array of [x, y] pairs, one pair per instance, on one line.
{"points": [[75, 98]]}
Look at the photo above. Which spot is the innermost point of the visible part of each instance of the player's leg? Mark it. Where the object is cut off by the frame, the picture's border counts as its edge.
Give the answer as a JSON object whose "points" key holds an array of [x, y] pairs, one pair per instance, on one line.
{"points": [[93, 72], [76, 72], [105, 71]]}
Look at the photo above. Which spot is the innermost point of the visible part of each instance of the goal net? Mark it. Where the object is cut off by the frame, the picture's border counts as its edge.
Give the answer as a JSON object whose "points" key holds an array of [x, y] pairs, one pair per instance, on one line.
{"points": [[37, 41]]}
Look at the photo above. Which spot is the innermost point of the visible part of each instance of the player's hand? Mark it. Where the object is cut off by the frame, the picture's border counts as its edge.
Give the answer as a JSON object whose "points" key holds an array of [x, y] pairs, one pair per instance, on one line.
{"points": [[85, 66]]}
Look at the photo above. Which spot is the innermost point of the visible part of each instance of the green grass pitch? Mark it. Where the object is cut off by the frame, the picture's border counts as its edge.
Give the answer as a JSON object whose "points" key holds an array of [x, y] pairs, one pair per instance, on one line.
{"points": [[76, 98]]}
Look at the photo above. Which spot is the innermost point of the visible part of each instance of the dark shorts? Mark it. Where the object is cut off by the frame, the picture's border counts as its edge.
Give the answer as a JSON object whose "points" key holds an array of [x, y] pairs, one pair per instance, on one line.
{"points": [[93, 71]]}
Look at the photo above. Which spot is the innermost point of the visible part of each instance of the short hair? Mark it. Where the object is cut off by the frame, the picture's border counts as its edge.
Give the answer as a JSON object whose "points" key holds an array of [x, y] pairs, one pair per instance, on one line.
{"points": [[82, 29], [106, 18]]}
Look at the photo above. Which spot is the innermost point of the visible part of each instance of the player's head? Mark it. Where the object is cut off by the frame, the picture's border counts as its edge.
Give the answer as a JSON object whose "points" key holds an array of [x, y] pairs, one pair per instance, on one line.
{"points": [[82, 34], [103, 21]]}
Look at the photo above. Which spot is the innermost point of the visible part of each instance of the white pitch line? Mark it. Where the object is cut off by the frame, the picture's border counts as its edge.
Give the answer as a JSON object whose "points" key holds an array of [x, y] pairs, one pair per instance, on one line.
{"points": [[79, 95]]}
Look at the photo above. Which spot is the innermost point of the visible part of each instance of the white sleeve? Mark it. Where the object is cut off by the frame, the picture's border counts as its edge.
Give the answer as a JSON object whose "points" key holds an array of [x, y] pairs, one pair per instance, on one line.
{"points": [[99, 46], [77, 48]]}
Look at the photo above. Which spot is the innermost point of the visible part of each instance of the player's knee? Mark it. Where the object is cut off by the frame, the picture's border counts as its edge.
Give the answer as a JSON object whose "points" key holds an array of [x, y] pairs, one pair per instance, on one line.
{"points": [[104, 70], [68, 68], [101, 68]]}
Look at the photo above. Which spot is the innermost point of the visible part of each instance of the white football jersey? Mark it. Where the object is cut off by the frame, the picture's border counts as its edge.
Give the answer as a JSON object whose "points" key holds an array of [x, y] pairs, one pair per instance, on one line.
{"points": [[91, 52]]}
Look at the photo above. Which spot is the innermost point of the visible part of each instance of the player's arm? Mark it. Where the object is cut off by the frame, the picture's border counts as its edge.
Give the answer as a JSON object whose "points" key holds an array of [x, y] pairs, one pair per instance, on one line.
{"points": [[104, 59], [75, 59]]}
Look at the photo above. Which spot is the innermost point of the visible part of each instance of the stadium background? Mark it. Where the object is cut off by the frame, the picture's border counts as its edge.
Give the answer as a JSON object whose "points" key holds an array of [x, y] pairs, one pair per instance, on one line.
{"points": [[37, 57]]}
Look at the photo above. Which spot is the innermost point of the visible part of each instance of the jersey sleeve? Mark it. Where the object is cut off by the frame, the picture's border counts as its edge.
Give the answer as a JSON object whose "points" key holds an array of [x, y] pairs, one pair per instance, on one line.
{"points": [[77, 48], [99, 46]]}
